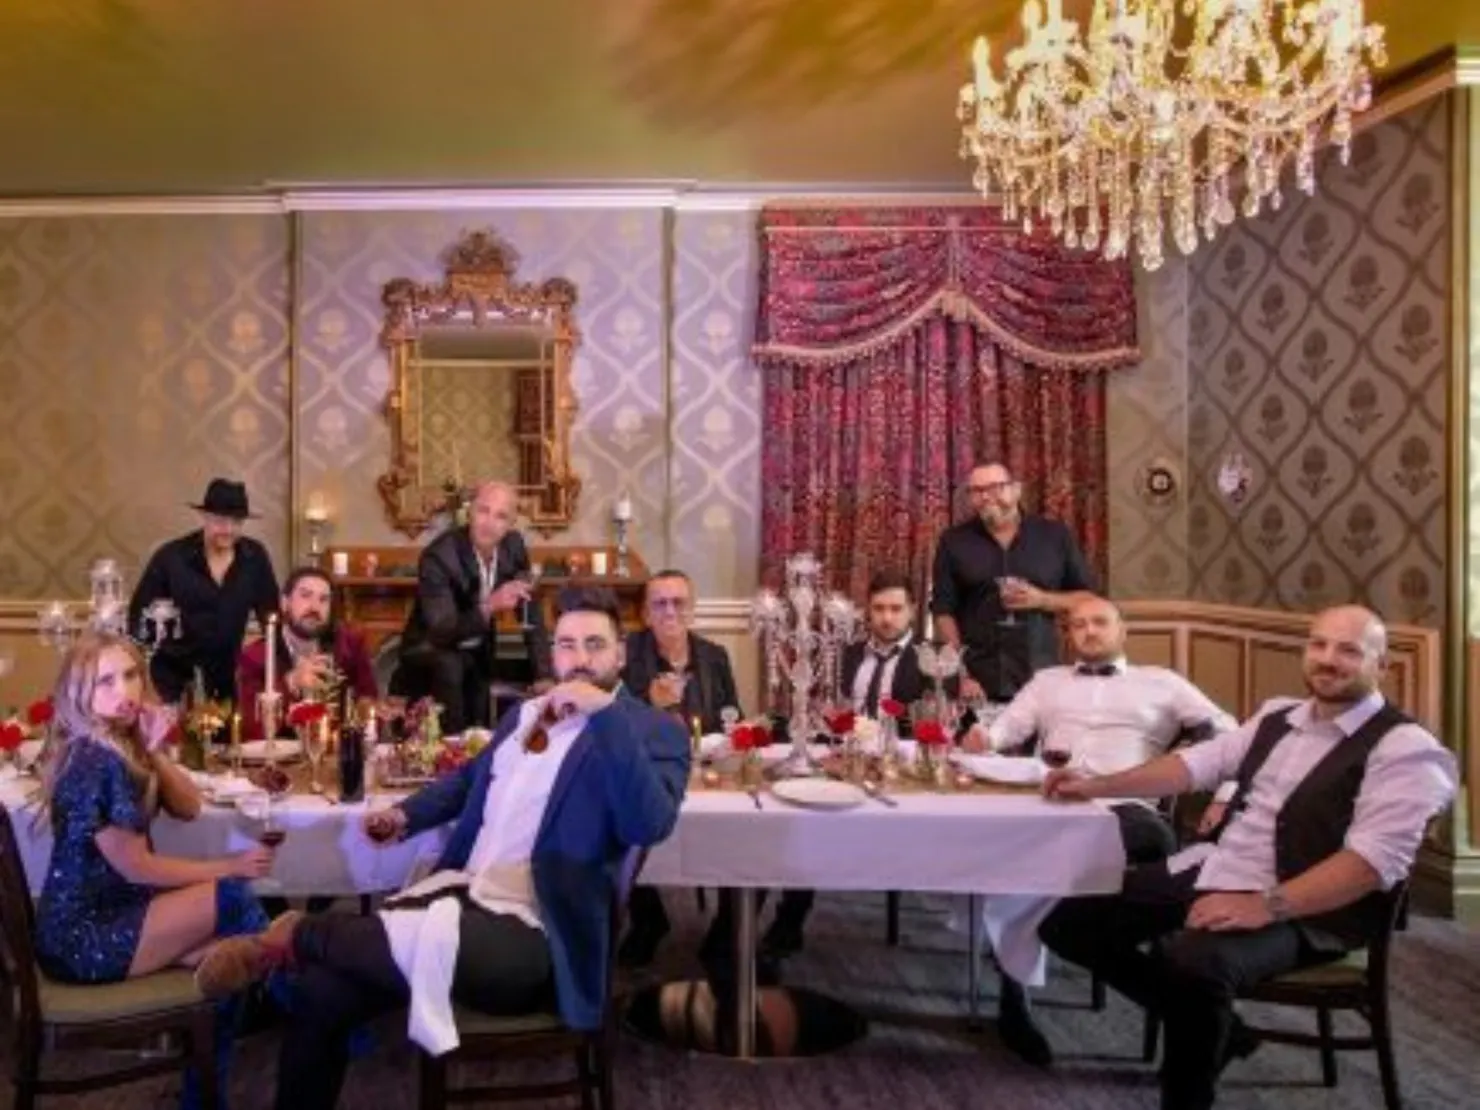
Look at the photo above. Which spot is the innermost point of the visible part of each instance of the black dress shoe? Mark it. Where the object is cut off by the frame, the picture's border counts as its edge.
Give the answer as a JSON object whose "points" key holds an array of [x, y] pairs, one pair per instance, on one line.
{"points": [[1243, 1042], [640, 945], [1018, 1030], [782, 939]]}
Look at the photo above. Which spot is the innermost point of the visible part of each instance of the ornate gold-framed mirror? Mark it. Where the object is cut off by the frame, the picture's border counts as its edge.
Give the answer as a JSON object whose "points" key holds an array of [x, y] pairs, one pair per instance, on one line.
{"points": [[480, 388]]}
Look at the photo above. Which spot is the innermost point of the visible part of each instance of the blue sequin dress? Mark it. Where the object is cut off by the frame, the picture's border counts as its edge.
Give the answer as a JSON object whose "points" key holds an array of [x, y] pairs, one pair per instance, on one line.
{"points": [[89, 918]]}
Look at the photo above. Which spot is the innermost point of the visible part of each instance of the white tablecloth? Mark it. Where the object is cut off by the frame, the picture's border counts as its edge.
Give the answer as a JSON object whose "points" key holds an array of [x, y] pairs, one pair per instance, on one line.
{"points": [[1022, 851]]}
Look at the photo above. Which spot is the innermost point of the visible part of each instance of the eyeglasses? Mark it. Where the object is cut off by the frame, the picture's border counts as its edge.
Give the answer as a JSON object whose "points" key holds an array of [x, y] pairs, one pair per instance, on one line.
{"points": [[991, 488]]}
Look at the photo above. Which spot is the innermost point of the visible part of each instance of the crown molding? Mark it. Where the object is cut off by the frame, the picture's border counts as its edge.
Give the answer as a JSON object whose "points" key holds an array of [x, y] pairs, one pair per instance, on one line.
{"points": [[245, 204]]}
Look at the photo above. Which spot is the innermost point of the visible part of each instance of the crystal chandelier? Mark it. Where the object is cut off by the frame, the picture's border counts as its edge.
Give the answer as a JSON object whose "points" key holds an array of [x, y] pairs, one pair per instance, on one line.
{"points": [[1158, 111]]}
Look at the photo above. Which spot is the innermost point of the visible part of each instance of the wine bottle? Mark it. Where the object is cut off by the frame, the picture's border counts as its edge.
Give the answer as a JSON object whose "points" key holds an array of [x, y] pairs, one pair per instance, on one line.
{"points": [[351, 758]]}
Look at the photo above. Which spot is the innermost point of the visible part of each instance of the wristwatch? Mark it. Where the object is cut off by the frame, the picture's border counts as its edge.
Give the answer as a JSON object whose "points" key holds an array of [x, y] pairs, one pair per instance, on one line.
{"points": [[1277, 904]]}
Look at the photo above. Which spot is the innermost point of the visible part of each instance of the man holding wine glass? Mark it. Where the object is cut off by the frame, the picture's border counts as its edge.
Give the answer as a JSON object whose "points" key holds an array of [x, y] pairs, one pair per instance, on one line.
{"points": [[1000, 580], [466, 577], [319, 650], [1100, 715]]}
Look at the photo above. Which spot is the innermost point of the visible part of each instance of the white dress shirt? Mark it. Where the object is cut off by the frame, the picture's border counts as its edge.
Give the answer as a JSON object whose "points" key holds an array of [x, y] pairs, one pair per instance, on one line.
{"points": [[1108, 723], [1410, 777], [498, 865], [871, 662]]}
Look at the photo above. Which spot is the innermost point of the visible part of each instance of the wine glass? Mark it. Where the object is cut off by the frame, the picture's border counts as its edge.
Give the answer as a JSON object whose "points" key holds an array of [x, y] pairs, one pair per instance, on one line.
{"points": [[1055, 754], [532, 576], [315, 744], [1005, 581]]}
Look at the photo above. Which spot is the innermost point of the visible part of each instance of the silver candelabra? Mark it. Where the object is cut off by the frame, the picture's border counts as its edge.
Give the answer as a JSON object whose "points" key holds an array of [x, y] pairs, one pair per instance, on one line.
{"points": [[939, 664], [802, 634], [107, 611]]}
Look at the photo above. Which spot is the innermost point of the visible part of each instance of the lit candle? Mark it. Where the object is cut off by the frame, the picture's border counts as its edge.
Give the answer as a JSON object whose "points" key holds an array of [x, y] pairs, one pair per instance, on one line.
{"points": [[236, 730], [623, 511], [271, 684]]}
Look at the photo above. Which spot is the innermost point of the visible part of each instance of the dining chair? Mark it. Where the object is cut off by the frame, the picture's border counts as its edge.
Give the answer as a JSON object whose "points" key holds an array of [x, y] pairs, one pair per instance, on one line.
{"points": [[490, 1039], [43, 1016]]}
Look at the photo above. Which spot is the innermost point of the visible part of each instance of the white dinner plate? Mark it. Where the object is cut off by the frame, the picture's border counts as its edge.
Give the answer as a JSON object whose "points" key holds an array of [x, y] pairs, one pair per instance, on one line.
{"points": [[819, 793], [284, 751], [775, 753], [29, 752], [223, 790], [1016, 770]]}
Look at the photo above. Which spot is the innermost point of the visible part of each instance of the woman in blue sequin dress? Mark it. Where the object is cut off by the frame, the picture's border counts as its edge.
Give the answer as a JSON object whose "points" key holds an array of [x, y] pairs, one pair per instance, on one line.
{"points": [[111, 908]]}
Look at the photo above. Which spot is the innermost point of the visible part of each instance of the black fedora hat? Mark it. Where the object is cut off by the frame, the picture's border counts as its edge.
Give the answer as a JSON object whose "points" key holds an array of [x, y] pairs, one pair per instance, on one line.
{"points": [[225, 498]]}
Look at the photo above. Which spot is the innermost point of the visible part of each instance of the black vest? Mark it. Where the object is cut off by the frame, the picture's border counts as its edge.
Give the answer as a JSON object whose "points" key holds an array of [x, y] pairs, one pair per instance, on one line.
{"points": [[1313, 822]]}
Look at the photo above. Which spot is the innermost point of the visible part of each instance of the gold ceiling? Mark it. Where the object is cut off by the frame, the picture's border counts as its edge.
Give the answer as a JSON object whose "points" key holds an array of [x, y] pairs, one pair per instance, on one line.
{"points": [[100, 96]]}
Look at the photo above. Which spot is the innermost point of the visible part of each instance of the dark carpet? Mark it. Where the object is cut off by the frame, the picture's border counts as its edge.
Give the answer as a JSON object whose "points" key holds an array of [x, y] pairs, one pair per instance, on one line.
{"points": [[920, 1055]]}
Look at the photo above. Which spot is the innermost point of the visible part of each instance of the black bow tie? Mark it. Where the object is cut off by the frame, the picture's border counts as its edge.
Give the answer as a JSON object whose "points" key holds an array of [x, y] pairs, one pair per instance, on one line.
{"points": [[1097, 670]]}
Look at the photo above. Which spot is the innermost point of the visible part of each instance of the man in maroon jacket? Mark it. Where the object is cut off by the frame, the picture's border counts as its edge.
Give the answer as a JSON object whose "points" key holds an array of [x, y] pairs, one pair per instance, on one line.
{"points": [[309, 641]]}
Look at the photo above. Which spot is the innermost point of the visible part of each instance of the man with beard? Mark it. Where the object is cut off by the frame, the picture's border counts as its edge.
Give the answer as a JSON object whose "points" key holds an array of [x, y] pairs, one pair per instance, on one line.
{"points": [[310, 645], [1333, 796], [217, 578], [516, 918], [466, 577], [885, 667], [1105, 715], [1000, 580]]}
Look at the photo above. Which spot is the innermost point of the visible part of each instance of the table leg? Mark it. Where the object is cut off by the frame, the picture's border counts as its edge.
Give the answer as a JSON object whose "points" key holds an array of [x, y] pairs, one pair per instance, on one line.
{"points": [[745, 942], [974, 955]]}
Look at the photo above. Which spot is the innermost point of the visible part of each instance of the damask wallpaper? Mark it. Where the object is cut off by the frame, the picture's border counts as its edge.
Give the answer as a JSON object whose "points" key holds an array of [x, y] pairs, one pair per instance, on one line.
{"points": [[466, 419], [1318, 347], [1146, 423], [139, 357], [714, 493], [683, 446]]}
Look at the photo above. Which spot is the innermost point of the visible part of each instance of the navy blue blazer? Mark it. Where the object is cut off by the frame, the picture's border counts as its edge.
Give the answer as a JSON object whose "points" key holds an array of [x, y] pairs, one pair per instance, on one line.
{"points": [[620, 787]]}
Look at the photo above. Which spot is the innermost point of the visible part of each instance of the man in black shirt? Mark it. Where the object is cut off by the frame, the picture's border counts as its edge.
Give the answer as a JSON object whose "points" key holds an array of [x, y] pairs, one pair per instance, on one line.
{"points": [[1000, 579], [465, 578], [216, 578]]}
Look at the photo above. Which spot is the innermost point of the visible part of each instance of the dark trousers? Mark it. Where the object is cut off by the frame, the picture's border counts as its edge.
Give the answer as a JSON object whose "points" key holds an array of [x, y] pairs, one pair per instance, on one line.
{"points": [[455, 678], [1146, 834], [347, 976], [1135, 941]]}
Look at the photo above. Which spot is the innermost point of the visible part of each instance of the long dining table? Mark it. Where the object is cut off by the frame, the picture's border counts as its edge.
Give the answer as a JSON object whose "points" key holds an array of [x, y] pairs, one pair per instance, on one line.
{"points": [[1011, 852]]}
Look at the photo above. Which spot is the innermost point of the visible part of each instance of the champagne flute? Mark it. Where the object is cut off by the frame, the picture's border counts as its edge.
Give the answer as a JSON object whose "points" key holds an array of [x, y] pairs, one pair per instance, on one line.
{"points": [[1004, 581], [532, 576], [315, 743]]}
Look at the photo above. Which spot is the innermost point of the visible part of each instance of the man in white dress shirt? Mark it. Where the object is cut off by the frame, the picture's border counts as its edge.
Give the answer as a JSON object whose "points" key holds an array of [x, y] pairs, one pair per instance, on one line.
{"points": [[1333, 796], [517, 915], [1108, 715]]}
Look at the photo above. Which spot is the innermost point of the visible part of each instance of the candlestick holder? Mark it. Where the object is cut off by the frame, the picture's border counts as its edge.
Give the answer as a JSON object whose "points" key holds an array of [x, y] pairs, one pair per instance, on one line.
{"points": [[622, 569], [939, 664], [801, 636], [269, 710]]}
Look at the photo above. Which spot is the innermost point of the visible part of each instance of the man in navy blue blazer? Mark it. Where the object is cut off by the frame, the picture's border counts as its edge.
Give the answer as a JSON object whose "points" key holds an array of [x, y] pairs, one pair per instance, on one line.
{"points": [[542, 821]]}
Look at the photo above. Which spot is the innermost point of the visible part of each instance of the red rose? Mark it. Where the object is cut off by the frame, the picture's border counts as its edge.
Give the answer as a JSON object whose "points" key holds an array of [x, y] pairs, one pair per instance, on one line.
{"points": [[747, 738], [41, 712], [930, 732], [891, 708], [11, 736], [841, 721], [306, 713]]}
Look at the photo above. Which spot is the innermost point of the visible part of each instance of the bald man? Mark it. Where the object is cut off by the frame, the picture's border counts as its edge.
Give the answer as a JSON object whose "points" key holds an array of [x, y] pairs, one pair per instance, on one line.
{"points": [[1334, 794], [466, 577]]}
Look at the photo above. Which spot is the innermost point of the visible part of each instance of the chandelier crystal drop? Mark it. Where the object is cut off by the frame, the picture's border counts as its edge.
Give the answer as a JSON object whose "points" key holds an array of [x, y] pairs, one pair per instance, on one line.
{"points": [[1161, 113]]}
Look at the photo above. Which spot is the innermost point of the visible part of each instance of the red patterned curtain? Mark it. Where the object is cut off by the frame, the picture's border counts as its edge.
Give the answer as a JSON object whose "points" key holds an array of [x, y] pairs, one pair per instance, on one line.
{"points": [[900, 347]]}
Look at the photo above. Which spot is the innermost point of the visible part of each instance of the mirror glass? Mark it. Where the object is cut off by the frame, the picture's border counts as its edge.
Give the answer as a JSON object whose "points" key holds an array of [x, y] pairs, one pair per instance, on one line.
{"points": [[481, 401]]}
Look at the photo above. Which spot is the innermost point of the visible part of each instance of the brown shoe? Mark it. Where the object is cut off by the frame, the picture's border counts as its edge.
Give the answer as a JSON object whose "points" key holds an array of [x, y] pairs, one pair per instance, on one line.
{"points": [[231, 965], [279, 935]]}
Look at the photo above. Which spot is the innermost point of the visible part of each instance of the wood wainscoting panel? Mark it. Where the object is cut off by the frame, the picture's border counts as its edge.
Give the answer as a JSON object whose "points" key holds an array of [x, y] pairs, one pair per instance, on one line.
{"points": [[1276, 670], [1152, 647], [33, 665], [1217, 664]]}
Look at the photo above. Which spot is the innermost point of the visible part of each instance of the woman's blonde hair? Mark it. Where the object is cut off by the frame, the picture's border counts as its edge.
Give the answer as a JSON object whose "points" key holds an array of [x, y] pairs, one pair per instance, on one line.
{"points": [[74, 723]]}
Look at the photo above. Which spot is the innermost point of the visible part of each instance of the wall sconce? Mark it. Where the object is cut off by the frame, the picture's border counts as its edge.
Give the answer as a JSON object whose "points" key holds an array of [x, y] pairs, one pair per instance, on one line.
{"points": [[316, 515]]}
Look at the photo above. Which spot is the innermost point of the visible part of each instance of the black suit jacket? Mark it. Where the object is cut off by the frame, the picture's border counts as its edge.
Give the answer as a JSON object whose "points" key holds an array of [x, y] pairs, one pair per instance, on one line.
{"points": [[711, 685], [907, 684], [448, 585]]}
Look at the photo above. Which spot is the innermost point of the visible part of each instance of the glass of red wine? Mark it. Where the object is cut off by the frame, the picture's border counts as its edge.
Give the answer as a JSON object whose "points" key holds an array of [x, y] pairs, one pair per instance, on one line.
{"points": [[1056, 757]]}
